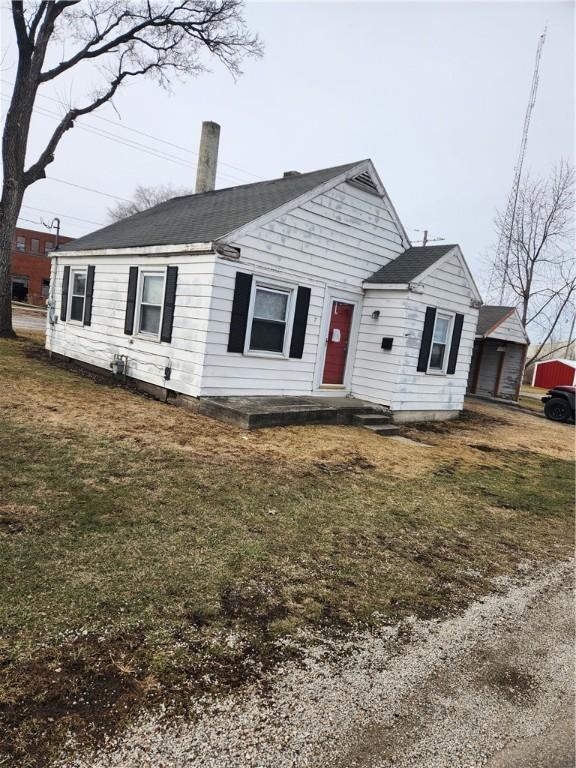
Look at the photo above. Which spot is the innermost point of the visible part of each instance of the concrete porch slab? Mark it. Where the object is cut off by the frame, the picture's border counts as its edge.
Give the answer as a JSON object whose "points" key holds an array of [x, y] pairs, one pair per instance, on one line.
{"points": [[263, 411]]}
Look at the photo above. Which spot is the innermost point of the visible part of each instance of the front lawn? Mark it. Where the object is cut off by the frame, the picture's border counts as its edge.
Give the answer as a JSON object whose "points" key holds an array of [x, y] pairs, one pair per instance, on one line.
{"points": [[149, 553]]}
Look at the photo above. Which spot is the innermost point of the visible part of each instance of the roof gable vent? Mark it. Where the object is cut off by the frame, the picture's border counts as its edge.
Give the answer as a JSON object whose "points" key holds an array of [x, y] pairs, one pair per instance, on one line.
{"points": [[365, 182]]}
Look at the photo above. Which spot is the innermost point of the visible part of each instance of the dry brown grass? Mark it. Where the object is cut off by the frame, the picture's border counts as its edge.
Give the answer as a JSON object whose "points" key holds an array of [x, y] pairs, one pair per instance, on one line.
{"points": [[500, 428], [136, 537], [120, 415]]}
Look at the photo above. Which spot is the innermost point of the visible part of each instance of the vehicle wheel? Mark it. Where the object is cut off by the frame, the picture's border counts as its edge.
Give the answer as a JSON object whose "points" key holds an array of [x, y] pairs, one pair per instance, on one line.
{"points": [[557, 409]]}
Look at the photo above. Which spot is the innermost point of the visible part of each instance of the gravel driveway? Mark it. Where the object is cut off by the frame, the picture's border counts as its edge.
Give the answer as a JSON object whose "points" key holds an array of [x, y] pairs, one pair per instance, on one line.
{"points": [[492, 687]]}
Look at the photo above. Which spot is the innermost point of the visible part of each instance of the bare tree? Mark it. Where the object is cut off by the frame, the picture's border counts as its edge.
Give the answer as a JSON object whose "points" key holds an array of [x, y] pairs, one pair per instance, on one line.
{"points": [[143, 199], [539, 273], [117, 41]]}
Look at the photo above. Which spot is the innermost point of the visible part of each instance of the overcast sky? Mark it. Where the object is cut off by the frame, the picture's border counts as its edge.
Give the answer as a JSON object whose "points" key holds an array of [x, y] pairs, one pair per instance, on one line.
{"points": [[435, 93]]}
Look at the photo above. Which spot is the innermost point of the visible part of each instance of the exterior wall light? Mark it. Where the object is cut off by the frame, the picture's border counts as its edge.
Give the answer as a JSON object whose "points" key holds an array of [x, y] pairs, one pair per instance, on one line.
{"points": [[376, 314]]}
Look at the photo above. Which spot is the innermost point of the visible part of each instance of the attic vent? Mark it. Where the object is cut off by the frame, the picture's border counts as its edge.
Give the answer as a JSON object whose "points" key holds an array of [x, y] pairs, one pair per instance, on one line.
{"points": [[365, 182]]}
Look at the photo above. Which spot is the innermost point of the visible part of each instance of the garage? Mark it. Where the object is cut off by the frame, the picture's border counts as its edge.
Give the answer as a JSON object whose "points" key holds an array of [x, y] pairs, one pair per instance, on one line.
{"points": [[554, 373], [499, 354]]}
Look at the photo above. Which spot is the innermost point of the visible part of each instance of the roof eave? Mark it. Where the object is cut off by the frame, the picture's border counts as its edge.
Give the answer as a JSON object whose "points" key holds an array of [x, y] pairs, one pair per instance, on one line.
{"points": [[141, 250], [356, 169], [386, 286]]}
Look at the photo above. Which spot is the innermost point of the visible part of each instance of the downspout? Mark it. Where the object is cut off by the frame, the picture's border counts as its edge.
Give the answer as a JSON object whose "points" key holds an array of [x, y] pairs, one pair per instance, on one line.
{"points": [[51, 303]]}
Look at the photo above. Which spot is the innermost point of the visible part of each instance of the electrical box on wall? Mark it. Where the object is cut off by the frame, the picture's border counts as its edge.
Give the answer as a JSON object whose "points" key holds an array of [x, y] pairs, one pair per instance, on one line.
{"points": [[387, 342]]}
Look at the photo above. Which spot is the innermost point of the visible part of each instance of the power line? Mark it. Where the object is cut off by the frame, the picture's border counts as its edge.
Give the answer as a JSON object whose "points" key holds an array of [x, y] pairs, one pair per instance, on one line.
{"points": [[150, 136], [120, 140], [66, 215], [30, 221], [88, 189], [151, 151]]}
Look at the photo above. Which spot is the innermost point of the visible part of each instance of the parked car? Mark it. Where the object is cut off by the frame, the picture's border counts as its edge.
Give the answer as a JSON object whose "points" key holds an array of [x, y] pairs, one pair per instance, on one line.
{"points": [[559, 403]]}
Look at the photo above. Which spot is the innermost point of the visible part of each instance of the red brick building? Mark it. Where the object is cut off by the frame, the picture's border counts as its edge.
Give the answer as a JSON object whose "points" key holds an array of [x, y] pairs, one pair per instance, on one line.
{"points": [[30, 266]]}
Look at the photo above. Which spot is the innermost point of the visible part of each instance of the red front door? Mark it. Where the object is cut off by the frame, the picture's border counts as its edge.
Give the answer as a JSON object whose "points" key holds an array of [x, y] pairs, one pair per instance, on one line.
{"points": [[337, 345]]}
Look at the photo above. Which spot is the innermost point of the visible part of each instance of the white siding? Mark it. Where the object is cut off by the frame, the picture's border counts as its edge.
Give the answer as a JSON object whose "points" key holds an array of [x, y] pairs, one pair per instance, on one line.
{"points": [[390, 377], [330, 244], [98, 343], [376, 370], [510, 330], [446, 288]]}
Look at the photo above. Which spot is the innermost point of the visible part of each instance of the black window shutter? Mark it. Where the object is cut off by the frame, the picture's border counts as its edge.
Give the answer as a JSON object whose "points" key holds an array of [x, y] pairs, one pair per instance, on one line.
{"points": [[300, 321], [169, 304], [455, 345], [89, 295], [239, 318], [426, 342], [64, 302], [131, 301]]}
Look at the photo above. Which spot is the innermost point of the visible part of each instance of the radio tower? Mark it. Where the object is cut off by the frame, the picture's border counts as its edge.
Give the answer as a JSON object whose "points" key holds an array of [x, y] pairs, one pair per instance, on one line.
{"points": [[505, 241]]}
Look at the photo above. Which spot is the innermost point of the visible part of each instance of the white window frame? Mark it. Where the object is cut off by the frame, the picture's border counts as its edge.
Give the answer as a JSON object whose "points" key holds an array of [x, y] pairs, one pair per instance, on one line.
{"points": [[279, 287], [76, 271], [450, 317], [142, 273]]}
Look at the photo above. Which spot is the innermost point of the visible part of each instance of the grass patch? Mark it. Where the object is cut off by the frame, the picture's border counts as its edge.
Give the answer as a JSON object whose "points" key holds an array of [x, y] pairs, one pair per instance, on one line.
{"points": [[533, 405], [136, 572]]}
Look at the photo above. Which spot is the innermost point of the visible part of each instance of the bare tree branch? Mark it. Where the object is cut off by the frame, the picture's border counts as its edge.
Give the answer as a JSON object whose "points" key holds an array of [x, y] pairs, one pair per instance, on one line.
{"points": [[37, 170], [540, 274], [120, 40], [145, 198]]}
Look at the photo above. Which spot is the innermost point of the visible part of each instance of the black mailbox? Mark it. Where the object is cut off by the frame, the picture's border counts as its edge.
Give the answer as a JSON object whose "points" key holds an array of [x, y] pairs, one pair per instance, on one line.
{"points": [[387, 342]]}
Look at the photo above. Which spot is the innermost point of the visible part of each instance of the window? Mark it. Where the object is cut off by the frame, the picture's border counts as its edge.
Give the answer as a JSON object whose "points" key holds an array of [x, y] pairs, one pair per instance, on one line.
{"points": [[151, 300], [45, 288], [438, 356], [269, 319], [20, 288], [21, 243], [48, 246], [77, 295], [34, 245]]}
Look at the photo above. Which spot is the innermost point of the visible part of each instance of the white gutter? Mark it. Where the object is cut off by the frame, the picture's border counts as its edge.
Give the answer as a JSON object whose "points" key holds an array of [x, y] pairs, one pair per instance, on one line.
{"points": [[147, 250], [386, 286]]}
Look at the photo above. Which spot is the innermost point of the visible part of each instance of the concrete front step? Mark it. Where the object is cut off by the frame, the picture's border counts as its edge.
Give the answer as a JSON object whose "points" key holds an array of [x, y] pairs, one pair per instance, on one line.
{"points": [[382, 429], [255, 412], [371, 419]]}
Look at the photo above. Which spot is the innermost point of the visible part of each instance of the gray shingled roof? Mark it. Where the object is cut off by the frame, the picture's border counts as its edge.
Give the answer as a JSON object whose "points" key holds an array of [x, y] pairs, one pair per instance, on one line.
{"points": [[411, 263], [489, 316], [205, 217]]}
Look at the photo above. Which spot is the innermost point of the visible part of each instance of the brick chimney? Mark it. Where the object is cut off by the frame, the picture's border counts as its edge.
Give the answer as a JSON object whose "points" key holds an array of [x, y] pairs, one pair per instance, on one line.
{"points": [[207, 157]]}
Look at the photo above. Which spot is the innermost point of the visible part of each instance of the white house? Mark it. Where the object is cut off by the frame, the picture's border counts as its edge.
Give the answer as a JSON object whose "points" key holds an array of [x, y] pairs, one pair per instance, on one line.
{"points": [[303, 285]]}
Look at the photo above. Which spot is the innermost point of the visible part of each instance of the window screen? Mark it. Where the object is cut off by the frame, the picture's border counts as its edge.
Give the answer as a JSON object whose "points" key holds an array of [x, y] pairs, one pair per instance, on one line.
{"points": [[269, 320], [151, 303], [439, 342], [78, 294]]}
